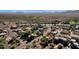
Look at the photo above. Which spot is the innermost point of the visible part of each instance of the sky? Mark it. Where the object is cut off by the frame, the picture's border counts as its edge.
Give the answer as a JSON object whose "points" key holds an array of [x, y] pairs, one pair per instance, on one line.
{"points": [[32, 11]]}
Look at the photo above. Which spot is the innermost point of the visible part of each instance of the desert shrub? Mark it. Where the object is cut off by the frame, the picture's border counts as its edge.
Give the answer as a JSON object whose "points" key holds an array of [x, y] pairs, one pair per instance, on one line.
{"points": [[72, 27], [3, 42], [2, 46], [44, 41], [25, 34], [74, 21], [50, 45], [13, 43], [29, 39], [56, 41]]}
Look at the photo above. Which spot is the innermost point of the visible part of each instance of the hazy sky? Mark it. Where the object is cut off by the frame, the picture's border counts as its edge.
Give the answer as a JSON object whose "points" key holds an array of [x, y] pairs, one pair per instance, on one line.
{"points": [[30, 11]]}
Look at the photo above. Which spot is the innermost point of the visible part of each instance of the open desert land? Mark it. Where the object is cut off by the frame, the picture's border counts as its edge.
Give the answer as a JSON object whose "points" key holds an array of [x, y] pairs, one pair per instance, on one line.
{"points": [[39, 30]]}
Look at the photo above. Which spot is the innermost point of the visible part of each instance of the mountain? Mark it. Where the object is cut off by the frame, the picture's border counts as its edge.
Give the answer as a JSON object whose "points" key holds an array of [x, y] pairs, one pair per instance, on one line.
{"points": [[39, 11], [71, 13], [65, 13]]}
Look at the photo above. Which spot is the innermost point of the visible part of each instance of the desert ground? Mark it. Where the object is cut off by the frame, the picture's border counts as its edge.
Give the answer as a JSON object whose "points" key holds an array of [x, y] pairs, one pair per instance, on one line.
{"points": [[39, 31]]}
